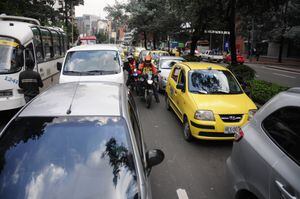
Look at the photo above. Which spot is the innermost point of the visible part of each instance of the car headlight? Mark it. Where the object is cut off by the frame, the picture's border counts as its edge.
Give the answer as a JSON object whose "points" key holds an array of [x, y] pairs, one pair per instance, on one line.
{"points": [[251, 113], [204, 115]]}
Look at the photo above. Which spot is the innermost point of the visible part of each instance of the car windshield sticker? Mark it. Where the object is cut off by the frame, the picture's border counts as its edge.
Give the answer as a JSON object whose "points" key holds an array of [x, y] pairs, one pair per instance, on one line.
{"points": [[8, 43]]}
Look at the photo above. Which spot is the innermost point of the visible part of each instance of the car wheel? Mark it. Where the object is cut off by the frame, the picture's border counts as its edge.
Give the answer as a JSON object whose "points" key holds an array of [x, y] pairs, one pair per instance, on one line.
{"points": [[168, 107], [187, 131]]}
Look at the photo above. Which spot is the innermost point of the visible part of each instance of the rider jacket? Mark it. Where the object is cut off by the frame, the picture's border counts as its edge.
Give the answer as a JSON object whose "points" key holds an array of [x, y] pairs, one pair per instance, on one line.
{"points": [[144, 69]]}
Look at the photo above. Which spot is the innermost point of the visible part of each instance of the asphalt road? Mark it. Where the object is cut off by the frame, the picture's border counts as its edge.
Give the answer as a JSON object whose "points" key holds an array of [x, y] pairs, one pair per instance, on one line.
{"points": [[197, 167], [281, 77]]}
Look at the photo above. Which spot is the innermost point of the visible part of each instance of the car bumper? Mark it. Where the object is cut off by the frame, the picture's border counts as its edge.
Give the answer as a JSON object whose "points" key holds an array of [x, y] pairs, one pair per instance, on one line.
{"points": [[11, 102], [214, 130], [230, 178]]}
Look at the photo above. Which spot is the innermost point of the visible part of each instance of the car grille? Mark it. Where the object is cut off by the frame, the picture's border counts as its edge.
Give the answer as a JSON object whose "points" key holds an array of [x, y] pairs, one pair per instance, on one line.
{"points": [[231, 118], [6, 93]]}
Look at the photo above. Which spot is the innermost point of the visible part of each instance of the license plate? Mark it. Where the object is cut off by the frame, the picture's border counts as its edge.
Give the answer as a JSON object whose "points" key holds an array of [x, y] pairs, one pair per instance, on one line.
{"points": [[231, 129]]}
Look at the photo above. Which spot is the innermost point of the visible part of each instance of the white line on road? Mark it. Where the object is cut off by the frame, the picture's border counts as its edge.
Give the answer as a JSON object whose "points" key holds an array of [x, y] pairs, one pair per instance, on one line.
{"points": [[256, 75], [182, 194], [284, 75]]}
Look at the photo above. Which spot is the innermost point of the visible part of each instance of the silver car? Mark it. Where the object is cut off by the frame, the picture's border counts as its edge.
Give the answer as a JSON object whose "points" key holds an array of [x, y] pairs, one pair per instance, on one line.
{"points": [[76, 140], [165, 64], [265, 159]]}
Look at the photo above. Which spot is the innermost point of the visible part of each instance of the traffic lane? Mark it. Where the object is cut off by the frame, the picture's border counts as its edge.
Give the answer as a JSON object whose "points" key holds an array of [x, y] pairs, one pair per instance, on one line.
{"points": [[197, 167], [280, 77]]}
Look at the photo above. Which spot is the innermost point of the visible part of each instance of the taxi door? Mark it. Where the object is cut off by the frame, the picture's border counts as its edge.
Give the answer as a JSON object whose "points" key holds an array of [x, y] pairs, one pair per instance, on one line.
{"points": [[181, 89], [173, 91]]}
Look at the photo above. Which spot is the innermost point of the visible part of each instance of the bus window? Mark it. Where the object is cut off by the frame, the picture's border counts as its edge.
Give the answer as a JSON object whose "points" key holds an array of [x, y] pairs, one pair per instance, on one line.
{"points": [[38, 44], [46, 38], [55, 40], [29, 53], [61, 51]]}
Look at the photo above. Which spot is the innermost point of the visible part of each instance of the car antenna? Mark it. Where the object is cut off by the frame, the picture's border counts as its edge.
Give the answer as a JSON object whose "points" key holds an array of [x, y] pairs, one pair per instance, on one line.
{"points": [[70, 107]]}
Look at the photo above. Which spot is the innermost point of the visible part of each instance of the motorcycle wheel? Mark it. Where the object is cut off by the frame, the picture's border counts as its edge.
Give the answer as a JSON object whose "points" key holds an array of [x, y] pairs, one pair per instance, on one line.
{"points": [[148, 100]]}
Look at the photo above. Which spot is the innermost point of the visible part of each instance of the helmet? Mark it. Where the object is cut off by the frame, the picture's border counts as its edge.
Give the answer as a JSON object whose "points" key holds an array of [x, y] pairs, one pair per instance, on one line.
{"points": [[129, 57], [148, 59]]}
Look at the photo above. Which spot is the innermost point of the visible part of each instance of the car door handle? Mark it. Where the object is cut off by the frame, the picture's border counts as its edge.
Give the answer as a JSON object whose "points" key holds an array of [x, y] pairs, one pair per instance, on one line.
{"points": [[283, 191]]}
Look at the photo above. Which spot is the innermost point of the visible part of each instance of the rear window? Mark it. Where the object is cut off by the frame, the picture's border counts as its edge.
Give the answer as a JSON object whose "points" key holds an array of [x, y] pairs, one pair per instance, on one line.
{"points": [[93, 62], [67, 157]]}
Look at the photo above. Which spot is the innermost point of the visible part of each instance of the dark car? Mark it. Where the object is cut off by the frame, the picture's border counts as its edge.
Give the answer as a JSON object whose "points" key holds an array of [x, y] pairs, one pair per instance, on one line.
{"points": [[76, 140]]}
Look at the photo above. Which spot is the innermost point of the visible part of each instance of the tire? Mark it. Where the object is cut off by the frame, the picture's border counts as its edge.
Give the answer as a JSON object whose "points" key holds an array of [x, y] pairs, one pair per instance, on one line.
{"points": [[187, 131], [167, 101], [149, 100]]}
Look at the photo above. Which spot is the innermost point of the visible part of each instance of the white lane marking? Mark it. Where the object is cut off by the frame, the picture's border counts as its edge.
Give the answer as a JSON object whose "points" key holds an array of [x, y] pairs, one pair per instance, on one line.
{"points": [[281, 70], [182, 194], [256, 75], [284, 75]]}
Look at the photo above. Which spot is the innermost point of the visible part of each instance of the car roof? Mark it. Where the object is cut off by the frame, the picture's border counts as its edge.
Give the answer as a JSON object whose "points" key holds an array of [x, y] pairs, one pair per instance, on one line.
{"points": [[171, 57], [19, 30], [202, 66], [94, 47], [78, 98]]}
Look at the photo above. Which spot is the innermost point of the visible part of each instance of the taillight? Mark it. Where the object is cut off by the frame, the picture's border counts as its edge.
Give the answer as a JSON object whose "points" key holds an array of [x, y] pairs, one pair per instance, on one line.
{"points": [[239, 135]]}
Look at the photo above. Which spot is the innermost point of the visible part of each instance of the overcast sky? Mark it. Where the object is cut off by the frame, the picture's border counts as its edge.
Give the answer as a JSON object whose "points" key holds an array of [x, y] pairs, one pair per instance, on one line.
{"points": [[94, 7]]}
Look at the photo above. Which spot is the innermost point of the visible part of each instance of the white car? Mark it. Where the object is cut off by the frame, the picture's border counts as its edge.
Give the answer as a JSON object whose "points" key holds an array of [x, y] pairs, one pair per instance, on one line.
{"points": [[92, 63], [211, 56], [165, 64]]}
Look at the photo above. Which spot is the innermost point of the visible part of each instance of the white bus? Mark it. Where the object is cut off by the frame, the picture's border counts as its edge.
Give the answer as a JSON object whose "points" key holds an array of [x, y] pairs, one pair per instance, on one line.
{"points": [[21, 39]]}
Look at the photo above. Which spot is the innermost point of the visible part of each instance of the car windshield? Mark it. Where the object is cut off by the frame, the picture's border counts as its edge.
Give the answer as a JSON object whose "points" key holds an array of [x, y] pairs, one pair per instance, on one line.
{"points": [[213, 82], [92, 62], [67, 157], [10, 60], [168, 63]]}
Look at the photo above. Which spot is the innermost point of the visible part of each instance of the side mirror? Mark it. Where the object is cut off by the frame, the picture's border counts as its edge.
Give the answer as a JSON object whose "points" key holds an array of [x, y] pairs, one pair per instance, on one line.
{"points": [[154, 157], [59, 66], [159, 71], [180, 86]]}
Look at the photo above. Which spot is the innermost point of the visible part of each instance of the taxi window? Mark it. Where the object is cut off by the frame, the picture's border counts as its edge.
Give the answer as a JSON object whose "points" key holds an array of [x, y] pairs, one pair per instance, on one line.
{"points": [[175, 73]]}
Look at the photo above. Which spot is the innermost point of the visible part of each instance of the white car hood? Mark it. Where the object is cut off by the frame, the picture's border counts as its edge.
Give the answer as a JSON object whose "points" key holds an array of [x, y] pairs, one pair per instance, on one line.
{"points": [[117, 78], [165, 72]]}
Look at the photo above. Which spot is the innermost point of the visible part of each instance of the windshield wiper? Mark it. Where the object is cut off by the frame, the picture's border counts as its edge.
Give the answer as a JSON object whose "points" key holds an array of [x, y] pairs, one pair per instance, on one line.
{"points": [[219, 92], [101, 72], [200, 91], [71, 72]]}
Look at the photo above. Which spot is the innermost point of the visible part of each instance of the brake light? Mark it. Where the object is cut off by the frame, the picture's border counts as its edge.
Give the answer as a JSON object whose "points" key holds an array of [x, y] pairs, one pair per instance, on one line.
{"points": [[239, 135]]}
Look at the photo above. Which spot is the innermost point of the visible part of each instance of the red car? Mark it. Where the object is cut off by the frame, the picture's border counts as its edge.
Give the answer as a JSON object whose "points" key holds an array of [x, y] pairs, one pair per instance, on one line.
{"points": [[239, 58]]}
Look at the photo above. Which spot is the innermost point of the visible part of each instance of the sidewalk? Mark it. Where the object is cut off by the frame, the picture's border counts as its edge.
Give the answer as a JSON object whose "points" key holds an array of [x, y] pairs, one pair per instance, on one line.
{"points": [[289, 64]]}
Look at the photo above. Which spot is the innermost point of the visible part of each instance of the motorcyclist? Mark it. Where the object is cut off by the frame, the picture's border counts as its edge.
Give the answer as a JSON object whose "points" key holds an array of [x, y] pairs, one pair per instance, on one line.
{"points": [[130, 65], [146, 67]]}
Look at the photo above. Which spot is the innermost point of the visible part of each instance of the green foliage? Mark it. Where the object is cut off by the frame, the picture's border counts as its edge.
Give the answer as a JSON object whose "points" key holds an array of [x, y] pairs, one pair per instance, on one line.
{"points": [[101, 37], [262, 91], [242, 72], [191, 58]]}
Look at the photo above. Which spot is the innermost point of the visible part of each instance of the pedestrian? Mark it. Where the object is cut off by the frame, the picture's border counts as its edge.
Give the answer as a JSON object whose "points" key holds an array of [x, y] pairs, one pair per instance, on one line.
{"points": [[30, 81], [257, 55]]}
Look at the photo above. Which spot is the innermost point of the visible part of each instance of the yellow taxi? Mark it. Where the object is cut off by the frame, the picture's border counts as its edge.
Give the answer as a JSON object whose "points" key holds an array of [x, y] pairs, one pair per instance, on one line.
{"points": [[155, 54], [208, 100]]}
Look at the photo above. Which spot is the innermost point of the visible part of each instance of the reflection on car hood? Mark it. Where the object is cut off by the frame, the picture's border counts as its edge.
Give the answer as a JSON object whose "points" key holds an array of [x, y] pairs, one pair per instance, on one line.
{"points": [[117, 78], [224, 104]]}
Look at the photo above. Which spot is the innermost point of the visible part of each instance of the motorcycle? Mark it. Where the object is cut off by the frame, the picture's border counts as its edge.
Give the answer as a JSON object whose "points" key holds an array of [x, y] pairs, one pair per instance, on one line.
{"points": [[134, 82], [148, 83]]}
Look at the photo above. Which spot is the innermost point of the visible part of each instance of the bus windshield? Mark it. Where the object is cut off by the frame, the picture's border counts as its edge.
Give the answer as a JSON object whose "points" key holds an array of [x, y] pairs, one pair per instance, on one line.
{"points": [[11, 58]]}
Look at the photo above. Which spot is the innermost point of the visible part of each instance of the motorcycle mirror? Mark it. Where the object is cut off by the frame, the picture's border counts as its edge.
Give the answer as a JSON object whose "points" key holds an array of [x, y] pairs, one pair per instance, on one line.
{"points": [[159, 71]]}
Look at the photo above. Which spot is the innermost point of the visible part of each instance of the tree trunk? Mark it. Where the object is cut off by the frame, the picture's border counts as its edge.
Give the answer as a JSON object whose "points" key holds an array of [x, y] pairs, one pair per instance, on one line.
{"points": [[232, 31], [280, 49], [195, 38], [154, 41], [145, 39]]}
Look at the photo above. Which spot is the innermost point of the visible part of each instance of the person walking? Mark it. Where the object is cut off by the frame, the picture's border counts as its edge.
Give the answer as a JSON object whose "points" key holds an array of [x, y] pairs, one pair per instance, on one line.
{"points": [[30, 81]]}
